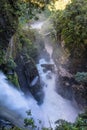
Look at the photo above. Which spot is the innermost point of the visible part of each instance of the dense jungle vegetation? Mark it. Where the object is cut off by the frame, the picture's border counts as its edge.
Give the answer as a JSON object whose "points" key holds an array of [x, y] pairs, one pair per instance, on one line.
{"points": [[70, 28]]}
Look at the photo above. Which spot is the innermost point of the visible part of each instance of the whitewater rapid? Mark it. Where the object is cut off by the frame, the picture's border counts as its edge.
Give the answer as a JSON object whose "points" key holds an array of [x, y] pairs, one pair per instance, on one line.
{"points": [[54, 106]]}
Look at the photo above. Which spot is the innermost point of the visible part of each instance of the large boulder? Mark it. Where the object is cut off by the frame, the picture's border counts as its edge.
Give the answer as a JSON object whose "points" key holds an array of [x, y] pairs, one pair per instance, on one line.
{"points": [[64, 82], [28, 76], [47, 67]]}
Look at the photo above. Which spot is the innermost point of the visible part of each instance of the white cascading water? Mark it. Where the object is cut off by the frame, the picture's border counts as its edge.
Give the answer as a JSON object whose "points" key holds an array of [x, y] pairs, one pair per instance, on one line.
{"points": [[54, 107], [37, 25], [13, 104]]}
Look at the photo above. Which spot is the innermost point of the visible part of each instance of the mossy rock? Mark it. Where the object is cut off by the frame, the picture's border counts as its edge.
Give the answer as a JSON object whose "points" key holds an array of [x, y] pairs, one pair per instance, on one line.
{"points": [[13, 79]]}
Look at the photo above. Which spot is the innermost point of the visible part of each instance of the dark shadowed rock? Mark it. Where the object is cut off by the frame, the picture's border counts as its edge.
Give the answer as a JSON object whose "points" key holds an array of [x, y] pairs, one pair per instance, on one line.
{"points": [[34, 81], [70, 88], [80, 94], [65, 81], [48, 67], [4, 124], [27, 73]]}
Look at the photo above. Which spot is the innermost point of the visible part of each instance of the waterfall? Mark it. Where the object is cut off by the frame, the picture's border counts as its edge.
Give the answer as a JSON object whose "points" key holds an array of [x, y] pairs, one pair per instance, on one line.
{"points": [[54, 106], [13, 104]]}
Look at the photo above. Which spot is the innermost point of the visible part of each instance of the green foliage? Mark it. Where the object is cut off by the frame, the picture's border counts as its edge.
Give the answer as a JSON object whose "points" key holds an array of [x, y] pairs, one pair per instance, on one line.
{"points": [[70, 24], [47, 12], [2, 56], [63, 125], [29, 113], [13, 78], [7, 66], [29, 121], [10, 63], [81, 77], [25, 39], [80, 124], [8, 20], [30, 9], [9, 70], [28, 47]]}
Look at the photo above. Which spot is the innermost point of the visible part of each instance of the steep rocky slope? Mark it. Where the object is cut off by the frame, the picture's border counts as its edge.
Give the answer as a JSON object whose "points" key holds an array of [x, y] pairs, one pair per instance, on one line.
{"points": [[15, 47]]}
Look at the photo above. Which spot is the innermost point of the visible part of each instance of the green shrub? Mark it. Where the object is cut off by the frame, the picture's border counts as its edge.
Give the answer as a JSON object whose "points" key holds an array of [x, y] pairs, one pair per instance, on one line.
{"points": [[25, 39], [70, 25], [80, 124], [81, 77], [10, 63], [2, 56], [13, 78]]}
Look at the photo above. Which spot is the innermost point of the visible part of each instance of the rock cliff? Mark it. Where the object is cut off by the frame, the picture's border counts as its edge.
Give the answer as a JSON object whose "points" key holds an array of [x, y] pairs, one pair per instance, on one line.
{"points": [[28, 77], [25, 71], [8, 21]]}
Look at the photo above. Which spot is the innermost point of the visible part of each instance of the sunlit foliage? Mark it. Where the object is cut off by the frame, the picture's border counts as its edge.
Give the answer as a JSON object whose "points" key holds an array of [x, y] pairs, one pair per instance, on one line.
{"points": [[59, 4]]}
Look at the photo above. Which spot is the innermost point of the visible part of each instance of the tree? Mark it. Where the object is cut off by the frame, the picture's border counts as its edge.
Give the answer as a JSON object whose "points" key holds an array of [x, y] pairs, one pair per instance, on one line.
{"points": [[28, 9], [71, 25]]}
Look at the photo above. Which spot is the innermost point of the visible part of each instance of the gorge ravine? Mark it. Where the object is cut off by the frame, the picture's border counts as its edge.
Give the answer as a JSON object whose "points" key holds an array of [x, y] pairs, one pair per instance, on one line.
{"points": [[54, 106]]}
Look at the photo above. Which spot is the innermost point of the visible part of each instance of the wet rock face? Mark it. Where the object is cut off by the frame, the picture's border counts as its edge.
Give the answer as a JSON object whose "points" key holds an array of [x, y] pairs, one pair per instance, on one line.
{"points": [[67, 86], [71, 89], [28, 76], [65, 81], [80, 94], [64, 88], [47, 67], [8, 21]]}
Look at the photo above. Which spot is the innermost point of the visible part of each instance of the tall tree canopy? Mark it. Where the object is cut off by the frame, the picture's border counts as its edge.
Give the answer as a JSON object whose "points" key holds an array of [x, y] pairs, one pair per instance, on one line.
{"points": [[71, 24]]}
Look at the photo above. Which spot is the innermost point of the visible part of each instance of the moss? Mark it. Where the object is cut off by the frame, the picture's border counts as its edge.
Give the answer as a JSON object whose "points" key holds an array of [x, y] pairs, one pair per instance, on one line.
{"points": [[14, 79], [24, 40], [10, 63], [8, 67], [2, 56], [10, 71]]}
